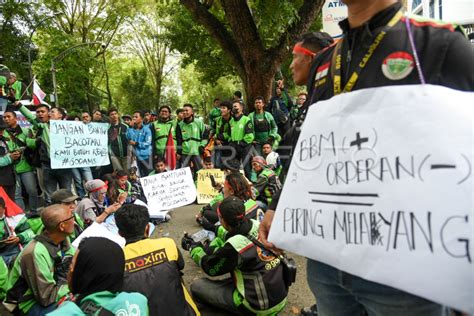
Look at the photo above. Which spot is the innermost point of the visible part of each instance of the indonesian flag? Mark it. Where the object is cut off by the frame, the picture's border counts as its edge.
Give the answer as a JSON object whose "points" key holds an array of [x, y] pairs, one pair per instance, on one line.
{"points": [[11, 208], [38, 94], [170, 152]]}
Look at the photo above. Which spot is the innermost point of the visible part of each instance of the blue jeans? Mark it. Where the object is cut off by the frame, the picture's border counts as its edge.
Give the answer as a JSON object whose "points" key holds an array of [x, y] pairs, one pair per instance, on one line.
{"points": [[81, 175], [38, 310], [339, 294], [28, 179], [53, 178]]}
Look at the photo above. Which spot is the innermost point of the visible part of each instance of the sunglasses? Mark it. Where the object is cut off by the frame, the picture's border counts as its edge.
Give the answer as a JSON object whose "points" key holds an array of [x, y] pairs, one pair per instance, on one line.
{"points": [[65, 220]]}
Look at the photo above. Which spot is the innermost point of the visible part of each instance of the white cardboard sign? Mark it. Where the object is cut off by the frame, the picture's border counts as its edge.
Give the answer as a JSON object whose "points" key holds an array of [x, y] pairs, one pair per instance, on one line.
{"points": [[381, 186], [169, 190], [75, 144]]}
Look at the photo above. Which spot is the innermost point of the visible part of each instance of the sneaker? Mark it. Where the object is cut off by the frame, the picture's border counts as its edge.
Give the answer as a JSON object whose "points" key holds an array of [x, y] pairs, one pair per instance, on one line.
{"points": [[309, 311]]}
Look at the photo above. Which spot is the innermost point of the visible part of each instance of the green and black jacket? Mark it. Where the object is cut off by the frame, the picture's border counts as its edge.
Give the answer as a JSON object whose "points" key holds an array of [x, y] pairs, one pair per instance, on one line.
{"points": [[257, 275]]}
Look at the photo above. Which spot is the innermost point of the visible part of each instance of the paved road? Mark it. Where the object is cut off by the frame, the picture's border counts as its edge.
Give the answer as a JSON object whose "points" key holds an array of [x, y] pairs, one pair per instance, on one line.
{"points": [[183, 220]]}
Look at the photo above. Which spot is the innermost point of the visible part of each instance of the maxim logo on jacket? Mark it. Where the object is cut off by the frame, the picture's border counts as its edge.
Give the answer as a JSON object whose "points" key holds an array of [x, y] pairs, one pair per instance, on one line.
{"points": [[146, 261]]}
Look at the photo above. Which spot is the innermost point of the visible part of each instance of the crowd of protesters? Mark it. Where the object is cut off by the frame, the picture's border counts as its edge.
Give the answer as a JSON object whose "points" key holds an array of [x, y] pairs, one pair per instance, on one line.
{"points": [[59, 204]]}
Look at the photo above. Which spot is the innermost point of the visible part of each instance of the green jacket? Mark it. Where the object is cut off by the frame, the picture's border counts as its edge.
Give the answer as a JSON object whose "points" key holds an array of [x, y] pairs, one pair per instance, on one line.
{"points": [[116, 303], [43, 130], [222, 129], [214, 114], [241, 130], [47, 285], [159, 135], [22, 231], [257, 276], [23, 139], [3, 279], [265, 127], [190, 137]]}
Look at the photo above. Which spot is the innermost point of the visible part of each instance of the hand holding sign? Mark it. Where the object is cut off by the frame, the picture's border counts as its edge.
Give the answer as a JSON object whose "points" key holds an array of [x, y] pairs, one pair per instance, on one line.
{"points": [[384, 190]]}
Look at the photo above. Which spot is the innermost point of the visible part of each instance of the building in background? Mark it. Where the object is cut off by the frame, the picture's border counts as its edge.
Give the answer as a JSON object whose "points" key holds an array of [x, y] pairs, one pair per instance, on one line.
{"points": [[460, 12]]}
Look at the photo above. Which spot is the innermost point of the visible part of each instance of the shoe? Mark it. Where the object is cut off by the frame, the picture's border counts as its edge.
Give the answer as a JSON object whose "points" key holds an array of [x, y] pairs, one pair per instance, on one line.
{"points": [[309, 311]]}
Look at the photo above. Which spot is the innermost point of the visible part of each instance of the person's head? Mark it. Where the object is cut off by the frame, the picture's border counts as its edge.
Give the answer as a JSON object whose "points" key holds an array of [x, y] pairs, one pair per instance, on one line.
{"points": [[114, 116], [231, 213], [11, 78], [57, 114], [2, 207], [259, 103], [216, 102], [164, 113], [301, 98], [226, 108], [64, 197], [236, 184], [138, 118], [86, 117], [132, 221], [97, 189], [237, 108], [127, 119], [160, 165], [3, 127], [98, 265], [179, 114], [146, 116], [97, 116], [42, 113], [208, 163], [188, 111], [267, 148], [9, 117], [122, 177], [258, 163], [237, 95], [58, 221], [304, 52]]}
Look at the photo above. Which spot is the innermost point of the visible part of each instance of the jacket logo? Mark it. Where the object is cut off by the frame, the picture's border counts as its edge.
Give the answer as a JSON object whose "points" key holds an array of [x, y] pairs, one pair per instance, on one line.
{"points": [[398, 65], [146, 261], [322, 71]]}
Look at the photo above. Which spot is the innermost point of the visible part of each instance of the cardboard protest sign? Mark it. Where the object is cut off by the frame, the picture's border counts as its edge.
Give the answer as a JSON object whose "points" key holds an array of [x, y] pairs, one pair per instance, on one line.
{"points": [[205, 191], [75, 144], [380, 186], [169, 190]]}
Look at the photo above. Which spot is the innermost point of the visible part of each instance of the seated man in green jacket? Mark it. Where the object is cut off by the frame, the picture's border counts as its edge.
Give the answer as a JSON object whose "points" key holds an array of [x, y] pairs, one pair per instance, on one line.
{"points": [[11, 240], [38, 278], [256, 285]]}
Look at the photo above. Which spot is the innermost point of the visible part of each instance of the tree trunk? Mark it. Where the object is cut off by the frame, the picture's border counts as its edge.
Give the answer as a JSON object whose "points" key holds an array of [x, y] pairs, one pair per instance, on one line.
{"points": [[240, 40], [107, 85]]}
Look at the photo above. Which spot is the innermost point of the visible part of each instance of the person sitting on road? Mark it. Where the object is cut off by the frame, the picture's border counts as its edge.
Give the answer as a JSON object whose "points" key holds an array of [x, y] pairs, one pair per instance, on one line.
{"points": [[12, 239], [267, 181], [235, 184], [159, 279], [256, 285], [92, 208], [38, 277], [97, 285]]}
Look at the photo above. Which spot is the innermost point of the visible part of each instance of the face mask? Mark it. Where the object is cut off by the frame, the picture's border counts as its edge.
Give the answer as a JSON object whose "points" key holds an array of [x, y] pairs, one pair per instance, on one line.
{"points": [[235, 110]]}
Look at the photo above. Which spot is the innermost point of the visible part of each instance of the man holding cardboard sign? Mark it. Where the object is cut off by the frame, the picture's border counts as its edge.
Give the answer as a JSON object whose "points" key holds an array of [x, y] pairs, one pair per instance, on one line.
{"points": [[348, 274]]}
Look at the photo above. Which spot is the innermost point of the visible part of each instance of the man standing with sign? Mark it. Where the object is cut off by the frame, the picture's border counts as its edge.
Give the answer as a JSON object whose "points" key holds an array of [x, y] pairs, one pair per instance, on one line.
{"points": [[52, 178], [380, 47]]}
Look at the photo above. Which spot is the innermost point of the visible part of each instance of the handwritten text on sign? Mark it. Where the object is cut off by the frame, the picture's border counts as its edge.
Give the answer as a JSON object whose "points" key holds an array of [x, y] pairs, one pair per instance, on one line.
{"points": [[75, 144], [205, 190], [170, 189], [381, 185]]}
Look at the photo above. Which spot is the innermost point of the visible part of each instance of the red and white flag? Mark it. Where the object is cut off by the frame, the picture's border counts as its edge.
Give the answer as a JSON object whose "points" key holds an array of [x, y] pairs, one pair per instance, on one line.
{"points": [[38, 94], [170, 152]]}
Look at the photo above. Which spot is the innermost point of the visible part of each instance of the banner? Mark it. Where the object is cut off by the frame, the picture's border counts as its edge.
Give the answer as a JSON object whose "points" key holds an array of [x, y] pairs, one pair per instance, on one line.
{"points": [[75, 144], [205, 191], [333, 12], [170, 189], [380, 186]]}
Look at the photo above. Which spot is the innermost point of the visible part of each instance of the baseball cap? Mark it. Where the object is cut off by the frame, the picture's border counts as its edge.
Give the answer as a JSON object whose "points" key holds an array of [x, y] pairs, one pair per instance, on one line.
{"points": [[63, 196]]}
